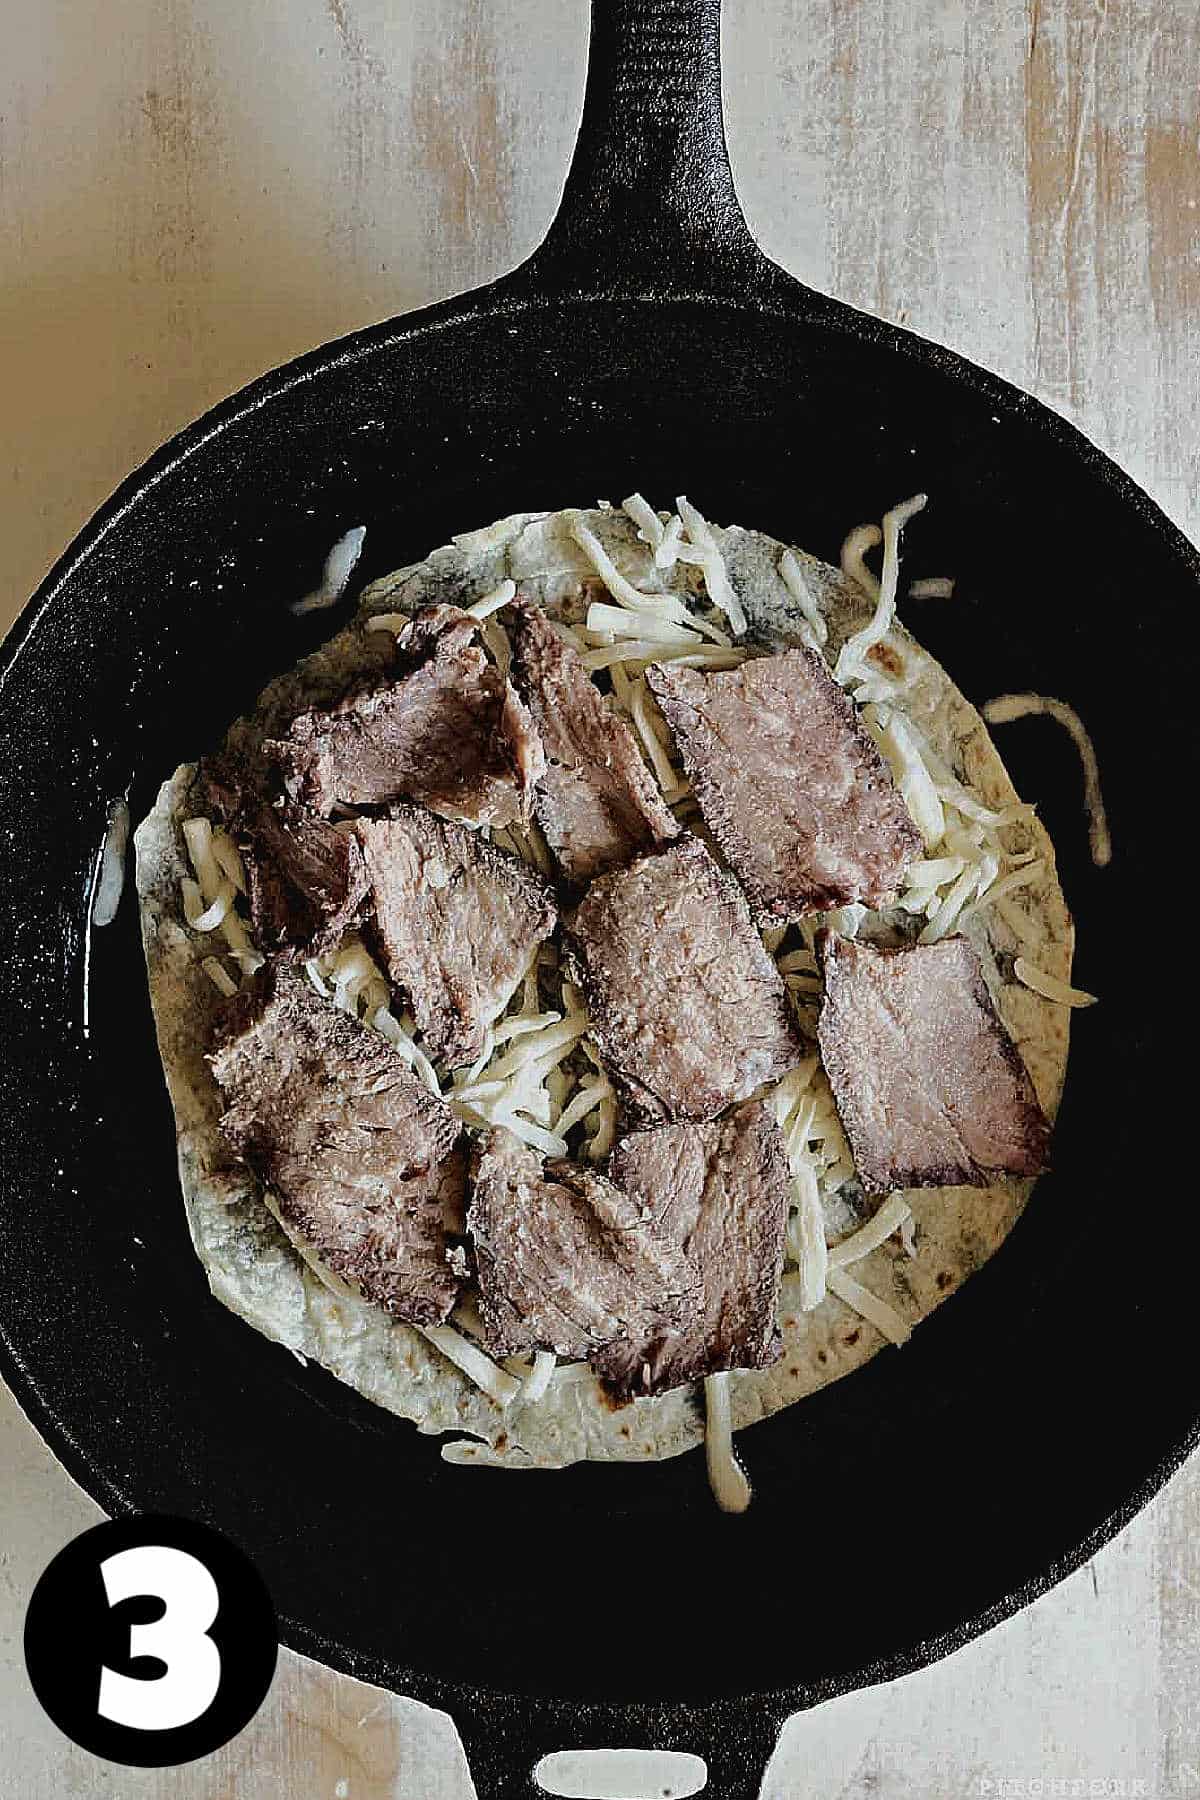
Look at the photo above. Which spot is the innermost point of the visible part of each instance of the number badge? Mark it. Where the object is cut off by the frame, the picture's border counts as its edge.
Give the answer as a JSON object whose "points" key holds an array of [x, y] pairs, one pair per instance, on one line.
{"points": [[150, 1641]]}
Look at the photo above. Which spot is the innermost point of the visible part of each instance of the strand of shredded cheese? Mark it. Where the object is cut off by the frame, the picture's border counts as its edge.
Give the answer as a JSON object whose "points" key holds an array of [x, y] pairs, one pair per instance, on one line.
{"points": [[816, 631], [1049, 986], [726, 1477], [1011, 884], [917, 787], [854, 650], [807, 1232], [877, 1312], [853, 557], [624, 621], [1006, 707], [618, 585], [492, 601], [219, 975], [335, 576], [539, 1377], [649, 525], [890, 1217], [667, 554], [702, 548], [480, 1369]]}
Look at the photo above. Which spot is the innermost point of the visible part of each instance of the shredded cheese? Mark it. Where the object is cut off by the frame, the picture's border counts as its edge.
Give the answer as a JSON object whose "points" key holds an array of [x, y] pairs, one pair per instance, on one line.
{"points": [[539, 1377], [219, 975], [853, 652], [667, 554], [912, 777], [601, 1142], [641, 710], [1022, 926], [621, 589], [932, 587], [622, 621], [649, 525], [225, 853], [1006, 707], [817, 631], [702, 549], [110, 879], [199, 838], [1049, 986], [206, 918], [890, 1217], [475, 1365], [1011, 884], [335, 577], [726, 1477], [807, 1233], [877, 1312], [492, 601], [853, 557], [948, 910]]}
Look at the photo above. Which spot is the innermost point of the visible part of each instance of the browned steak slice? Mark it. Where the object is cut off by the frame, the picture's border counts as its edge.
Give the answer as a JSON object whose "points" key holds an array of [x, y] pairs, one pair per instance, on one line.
{"points": [[566, 1262], [720, 1191], [930, 1087], [791, 786], [597, 802], [361, 1157], [689, 1011], [455, 921], [305, 878], [447, 730]]}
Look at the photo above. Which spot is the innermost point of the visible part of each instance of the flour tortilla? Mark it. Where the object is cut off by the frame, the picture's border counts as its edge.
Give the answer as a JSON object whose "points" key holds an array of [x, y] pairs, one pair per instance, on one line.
{"points": [[257, 1271]]}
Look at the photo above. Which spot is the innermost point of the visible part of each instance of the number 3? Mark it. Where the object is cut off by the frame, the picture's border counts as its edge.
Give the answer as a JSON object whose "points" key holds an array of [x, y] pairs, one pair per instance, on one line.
{"points": [[179, 1639]]}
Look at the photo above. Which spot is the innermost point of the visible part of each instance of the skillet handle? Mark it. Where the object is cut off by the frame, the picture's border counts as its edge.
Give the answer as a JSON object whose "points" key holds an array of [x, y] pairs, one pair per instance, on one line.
{"points": [[649, 202], [505, 1738]]}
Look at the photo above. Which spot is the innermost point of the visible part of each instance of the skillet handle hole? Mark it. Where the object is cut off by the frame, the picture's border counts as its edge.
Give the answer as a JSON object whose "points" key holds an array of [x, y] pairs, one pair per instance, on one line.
{"points": [[621, 1775]]}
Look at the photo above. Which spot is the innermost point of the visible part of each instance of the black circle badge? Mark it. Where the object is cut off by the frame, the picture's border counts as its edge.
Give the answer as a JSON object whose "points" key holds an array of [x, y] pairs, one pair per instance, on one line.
{"points": [[151, 1641]]}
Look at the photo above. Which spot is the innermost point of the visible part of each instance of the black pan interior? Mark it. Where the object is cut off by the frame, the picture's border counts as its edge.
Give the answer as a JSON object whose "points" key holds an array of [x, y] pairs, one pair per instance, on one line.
{"points": [[903, 1505]]}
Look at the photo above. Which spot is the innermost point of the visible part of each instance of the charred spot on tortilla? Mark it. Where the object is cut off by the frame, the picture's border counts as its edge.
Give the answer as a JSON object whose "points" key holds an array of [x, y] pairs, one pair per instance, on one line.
{"points": [[305, 878], [447, 730], [689, 1011], [362, 1159], [597, 802], [566, 1261], [929, 1085], [791, 785], [455, 920], [719, 1191]]}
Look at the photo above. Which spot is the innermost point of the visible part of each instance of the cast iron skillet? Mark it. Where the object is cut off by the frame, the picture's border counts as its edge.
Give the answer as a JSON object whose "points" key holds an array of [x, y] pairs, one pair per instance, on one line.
{"points": [[648, 343]]}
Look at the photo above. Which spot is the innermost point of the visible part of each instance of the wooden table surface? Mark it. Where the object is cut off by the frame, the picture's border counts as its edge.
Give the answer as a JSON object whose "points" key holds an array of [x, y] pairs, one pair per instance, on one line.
{"points": [[194, 190]]}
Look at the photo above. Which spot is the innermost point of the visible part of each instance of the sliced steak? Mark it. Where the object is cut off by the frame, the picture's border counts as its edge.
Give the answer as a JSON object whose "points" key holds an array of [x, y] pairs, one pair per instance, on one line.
{"points": [[305, 877], [448, 731], [931, 1089], [565, 1261], [689, 1011], [719, 1191], [455, 921], [789, 782], [597, 802], [362, 1159]]}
